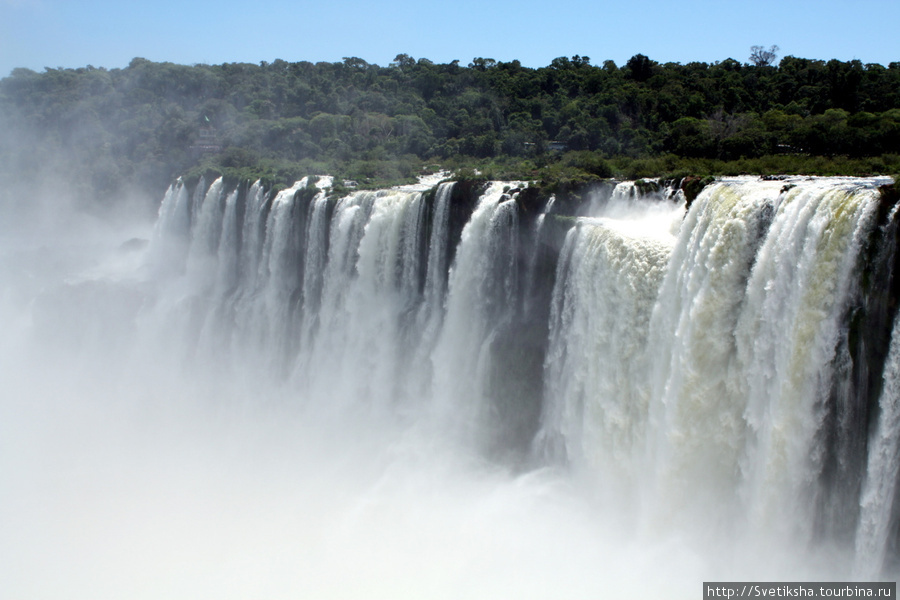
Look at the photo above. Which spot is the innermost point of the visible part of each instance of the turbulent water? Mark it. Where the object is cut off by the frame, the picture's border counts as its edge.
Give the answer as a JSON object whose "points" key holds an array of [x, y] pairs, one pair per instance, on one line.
{"points": [[448, 390]]}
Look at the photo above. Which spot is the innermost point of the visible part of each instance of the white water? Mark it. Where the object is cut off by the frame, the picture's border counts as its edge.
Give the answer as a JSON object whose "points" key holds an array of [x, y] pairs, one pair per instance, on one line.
{"points": [[203, 256], [884, 462], [596, 384], [481, 295], [310, 408], [706, 413], [786, 342]]}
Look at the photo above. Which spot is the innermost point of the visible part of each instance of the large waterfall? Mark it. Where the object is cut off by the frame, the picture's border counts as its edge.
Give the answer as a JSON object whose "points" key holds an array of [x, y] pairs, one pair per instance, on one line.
{"points": [[465, 390]]}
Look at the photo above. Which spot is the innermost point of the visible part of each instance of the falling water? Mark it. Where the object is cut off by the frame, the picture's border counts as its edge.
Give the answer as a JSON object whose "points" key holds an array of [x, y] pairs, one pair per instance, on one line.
{"points": [[596, 387], [878, 497], [884, 464], [461, 390], [481, 296], [787, 336], [206, 229]]}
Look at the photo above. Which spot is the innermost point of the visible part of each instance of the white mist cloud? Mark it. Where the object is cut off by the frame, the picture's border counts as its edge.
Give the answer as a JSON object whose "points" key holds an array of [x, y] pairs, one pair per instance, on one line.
{"points": [[126, 477]]}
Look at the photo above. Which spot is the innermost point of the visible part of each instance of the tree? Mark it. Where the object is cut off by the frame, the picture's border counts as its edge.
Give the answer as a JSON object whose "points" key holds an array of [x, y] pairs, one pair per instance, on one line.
{"points": [[403, 61], [639, 67], [761, 57], [139, 126], [482, 64]]}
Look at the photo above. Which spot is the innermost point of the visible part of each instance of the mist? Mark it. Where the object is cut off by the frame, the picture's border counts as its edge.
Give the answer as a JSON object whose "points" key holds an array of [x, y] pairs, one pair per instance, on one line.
{"points": [[128, 472], [126, 475]]}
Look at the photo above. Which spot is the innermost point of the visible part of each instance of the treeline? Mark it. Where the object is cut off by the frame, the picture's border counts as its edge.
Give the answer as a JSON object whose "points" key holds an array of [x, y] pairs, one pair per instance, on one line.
{"points": [[151, 121]]}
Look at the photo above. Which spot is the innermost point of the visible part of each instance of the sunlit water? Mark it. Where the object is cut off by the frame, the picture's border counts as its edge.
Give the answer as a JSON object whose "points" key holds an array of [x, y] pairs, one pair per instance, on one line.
{"points": [[301, 397]]}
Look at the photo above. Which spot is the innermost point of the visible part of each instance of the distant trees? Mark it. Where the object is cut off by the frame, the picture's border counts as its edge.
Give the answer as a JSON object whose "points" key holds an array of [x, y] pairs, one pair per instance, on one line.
{"points": [[639, 67], [140, 126], [761, 57]]}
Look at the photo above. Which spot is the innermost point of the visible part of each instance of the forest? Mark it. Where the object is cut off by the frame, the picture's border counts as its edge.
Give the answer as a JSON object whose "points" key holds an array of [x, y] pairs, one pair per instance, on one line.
{"points": [[110, 130]]}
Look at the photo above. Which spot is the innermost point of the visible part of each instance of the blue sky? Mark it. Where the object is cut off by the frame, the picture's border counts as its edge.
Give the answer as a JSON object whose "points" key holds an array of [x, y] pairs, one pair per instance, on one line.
{"points": [[74, 33]]}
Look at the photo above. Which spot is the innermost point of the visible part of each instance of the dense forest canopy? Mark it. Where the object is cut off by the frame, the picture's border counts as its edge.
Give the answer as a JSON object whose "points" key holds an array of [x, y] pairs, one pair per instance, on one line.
{"points": [[108, 130]]}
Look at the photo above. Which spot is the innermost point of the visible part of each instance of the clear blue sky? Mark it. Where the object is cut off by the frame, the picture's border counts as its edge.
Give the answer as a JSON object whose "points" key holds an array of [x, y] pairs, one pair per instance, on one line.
{"points": [[74, 33]]}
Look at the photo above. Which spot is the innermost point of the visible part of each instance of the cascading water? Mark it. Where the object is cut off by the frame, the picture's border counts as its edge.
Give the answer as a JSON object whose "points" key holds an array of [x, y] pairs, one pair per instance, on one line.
{"points": [[370, 294], [881, 475], [481, 296], [206, 230], [468, 390], [878, 502], [787, 336], [431, 311], [596, 388], [711, 413]]}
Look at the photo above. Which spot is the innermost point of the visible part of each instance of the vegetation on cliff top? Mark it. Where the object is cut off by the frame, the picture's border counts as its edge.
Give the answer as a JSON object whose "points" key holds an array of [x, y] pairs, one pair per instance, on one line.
{"points": [[108, 130]]}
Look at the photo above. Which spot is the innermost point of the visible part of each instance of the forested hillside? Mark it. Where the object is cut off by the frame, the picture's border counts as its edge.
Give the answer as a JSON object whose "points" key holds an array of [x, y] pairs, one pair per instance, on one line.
{"points": [[140, 126]]}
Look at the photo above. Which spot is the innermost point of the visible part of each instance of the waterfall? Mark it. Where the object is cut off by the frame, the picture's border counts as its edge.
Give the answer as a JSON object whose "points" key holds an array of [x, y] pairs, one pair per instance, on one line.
{"points": [[703, 347], [787, 337], [481, 298], [878, 495], [691, 375], [371, 292], [430, 313], [460, 373], [596, 388], [696, 421], [206, 229], [436, 277], [252, 235], [171, 233], [531, 278]]}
